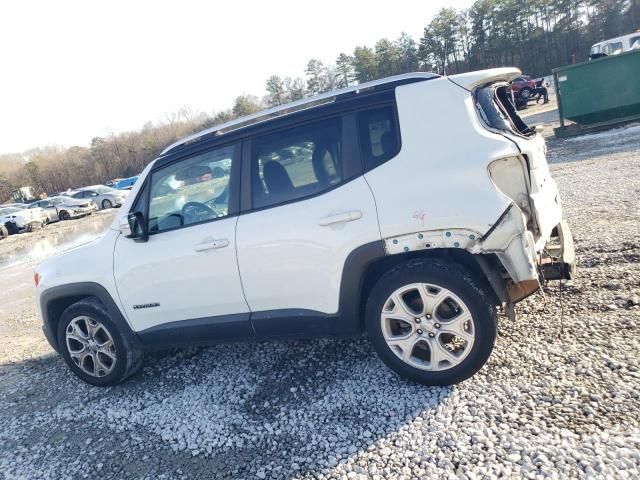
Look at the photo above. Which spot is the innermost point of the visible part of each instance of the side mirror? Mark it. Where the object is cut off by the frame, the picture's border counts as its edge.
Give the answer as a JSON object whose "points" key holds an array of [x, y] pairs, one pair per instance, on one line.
{"points": [[137, 227]]}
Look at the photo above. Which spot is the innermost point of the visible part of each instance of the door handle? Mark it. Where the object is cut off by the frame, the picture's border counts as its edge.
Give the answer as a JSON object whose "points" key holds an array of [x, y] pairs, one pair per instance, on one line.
{"points": [[211, 245], [341, 217]]}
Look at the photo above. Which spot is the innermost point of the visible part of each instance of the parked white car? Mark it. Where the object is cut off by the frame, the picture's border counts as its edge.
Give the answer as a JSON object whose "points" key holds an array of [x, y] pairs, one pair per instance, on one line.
{"points": [[65, 208], [410, 208], [16, 219], [104, 197]]}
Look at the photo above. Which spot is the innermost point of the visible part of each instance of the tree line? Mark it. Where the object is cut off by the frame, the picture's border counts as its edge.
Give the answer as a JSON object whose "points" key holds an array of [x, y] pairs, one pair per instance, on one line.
{"points": [[534, 35]]}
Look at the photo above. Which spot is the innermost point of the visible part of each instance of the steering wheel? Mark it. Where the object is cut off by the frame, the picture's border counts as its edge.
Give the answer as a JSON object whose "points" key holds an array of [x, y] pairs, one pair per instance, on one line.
{"points": [[193, 212]]}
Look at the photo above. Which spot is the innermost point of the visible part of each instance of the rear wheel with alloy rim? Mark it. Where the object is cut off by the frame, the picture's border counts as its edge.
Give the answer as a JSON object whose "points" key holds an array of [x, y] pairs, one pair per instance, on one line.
{"points": [[431, 322], [92, 346]]}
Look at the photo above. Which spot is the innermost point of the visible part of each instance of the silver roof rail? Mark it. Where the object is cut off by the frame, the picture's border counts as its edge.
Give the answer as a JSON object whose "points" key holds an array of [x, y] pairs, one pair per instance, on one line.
{"points": [[297, 106]]}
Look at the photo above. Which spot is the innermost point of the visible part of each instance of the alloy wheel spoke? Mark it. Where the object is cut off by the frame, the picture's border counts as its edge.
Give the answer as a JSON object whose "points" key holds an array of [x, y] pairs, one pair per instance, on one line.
{"points": [[77, 332], [99, 364], [106, 347], [82, 341], [79, 355], [92, 327], [432, 301], [405, 343], [456, 327], [440, 353], [400, 310]]}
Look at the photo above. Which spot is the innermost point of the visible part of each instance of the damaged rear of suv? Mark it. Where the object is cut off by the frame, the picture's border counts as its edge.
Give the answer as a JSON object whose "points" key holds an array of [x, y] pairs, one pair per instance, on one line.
{"points": [[411, 208]]}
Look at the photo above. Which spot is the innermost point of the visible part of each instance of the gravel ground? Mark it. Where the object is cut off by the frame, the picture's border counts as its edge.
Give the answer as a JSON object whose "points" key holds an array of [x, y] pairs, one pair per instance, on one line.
{"points": [[559, 398]]}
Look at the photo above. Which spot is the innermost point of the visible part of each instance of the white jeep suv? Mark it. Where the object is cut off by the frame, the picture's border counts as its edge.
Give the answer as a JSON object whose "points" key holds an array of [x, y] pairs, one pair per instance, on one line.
{"points": [[411, 208]]}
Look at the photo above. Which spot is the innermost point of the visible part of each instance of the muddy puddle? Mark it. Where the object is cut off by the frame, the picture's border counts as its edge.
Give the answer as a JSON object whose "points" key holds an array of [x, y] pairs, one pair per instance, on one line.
{"points": [[55, 238]]}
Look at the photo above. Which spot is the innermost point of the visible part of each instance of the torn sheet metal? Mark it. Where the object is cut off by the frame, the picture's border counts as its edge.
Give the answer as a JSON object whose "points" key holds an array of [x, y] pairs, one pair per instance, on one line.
{"points": [[450, 238]]}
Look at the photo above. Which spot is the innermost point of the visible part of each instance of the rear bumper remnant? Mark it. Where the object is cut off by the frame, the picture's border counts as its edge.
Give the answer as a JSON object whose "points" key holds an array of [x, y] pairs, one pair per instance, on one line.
{"points": [[558, 261]]}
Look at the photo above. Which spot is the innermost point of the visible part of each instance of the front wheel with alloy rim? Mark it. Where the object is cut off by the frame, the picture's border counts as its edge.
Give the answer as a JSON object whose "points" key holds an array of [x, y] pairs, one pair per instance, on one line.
{"points": [[106, 204], [431, 322], [92, 345]]}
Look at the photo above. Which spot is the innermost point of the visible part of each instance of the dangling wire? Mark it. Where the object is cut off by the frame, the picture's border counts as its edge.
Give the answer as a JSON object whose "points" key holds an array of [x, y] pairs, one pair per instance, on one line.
{"points": [[561, 308]]}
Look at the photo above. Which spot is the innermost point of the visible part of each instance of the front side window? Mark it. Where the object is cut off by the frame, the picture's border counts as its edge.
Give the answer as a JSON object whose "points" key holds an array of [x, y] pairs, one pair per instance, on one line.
{"points": [[191, 191], [378, 136], [296, 163]]}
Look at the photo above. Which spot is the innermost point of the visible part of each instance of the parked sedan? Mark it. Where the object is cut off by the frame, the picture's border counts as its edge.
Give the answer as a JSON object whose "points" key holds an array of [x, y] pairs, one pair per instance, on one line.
{"points": [[65, 208], [17, 219], [104, 197]]}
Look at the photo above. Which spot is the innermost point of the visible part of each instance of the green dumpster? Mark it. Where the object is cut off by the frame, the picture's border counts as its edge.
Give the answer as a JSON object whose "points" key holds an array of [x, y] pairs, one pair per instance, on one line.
{"points": [[600, 92]]}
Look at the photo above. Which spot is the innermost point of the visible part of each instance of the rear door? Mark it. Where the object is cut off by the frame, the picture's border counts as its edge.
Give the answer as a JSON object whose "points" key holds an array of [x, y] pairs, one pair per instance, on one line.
{"points": [[310, 209], [184, 279]]}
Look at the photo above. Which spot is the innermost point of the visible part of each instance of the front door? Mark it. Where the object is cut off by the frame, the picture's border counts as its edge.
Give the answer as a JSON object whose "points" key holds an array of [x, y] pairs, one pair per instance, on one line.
{"points": [[184, 280]]}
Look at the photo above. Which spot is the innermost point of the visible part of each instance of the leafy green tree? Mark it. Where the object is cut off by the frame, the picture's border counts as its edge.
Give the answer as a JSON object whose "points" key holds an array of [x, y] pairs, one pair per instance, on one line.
{"points": [[407, 49], [276, 91], [364, 64], [315, 73], [246, 105], [387, 58], [344, 70], [296, 88]]}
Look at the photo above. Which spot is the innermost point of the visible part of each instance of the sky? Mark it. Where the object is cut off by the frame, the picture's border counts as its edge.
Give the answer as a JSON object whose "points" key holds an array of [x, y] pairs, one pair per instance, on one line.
{"points": [[74, 70]]}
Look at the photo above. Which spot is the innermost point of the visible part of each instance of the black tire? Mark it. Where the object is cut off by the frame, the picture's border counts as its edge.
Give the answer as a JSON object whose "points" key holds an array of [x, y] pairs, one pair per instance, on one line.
{"points": [[4, 233], [128, 359], [12, 229], [459, 281], [106, 204], [525, 94], [64, 215]]}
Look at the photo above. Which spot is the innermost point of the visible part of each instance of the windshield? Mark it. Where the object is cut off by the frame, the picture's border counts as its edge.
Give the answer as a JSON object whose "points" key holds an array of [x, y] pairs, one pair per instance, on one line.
{"points": [[103, 189]]}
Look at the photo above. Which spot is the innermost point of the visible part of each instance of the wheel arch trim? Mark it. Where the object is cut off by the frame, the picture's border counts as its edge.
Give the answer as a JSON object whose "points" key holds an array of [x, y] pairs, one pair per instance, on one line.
{"points": [[55, 300]]}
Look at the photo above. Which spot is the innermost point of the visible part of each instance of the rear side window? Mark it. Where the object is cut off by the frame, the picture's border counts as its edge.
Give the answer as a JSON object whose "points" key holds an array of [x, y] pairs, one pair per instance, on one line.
{"points": [[378, 136], [296, 163], [494, 104]]}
